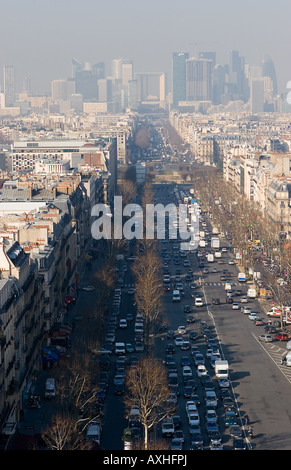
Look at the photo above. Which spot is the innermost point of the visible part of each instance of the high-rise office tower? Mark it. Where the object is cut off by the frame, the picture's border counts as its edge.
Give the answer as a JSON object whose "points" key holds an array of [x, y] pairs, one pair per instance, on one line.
{"points": [[198, 79], [208, 55], [99, 70], [62, 89], [179, 77], [116, 69], [269, 71], [77, 66], [133, 94], [105, 90], [9, 85], [126, 71], [218, 86], [237, 83], [257, 95], [27, 85]]}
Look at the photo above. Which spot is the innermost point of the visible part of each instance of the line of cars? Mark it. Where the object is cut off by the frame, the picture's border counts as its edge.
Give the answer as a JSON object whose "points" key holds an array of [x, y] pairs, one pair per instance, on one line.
{"points": [[208, 415]]}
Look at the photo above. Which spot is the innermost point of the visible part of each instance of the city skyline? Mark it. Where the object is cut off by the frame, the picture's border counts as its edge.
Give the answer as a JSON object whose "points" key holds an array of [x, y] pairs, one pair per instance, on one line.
{"points": [[144, 34]]}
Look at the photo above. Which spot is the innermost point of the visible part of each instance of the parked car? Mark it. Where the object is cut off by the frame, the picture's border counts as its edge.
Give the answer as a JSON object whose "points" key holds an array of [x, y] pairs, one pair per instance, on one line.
{"points": [[281, 336], [198, 302], [235, 431], [265, 338]]}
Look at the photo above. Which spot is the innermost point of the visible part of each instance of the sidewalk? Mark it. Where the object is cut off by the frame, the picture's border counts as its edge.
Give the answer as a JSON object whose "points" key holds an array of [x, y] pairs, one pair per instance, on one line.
{"points": [[35, 421]]}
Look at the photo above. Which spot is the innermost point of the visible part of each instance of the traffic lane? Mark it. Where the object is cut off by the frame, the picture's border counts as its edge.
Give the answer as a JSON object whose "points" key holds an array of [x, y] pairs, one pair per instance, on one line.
{"points": [[202, 346], [256, 379]]}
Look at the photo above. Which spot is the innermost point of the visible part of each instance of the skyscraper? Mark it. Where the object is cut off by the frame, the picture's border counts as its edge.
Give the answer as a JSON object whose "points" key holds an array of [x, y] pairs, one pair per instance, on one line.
{"points": [[179, 77], [237, 83], [269, 71], [9, 85], [198, 79], [133, 94], [257, 95], [126, 71], [116, 69], [218, 87]]}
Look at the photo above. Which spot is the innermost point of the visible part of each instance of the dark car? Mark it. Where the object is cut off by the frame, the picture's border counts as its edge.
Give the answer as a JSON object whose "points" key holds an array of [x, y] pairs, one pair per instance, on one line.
{"points": [[216, 301], [171, 334], [229, 300], [223, 278], [239, 444], [190, 319], [238, 292], [188, 391], [187, 309], [119, 389], [235, 431], [193, 335], [177, 421], [170, 349]]}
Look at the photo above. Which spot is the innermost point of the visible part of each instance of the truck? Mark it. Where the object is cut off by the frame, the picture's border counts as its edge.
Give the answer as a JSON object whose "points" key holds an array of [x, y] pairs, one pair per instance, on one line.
{"points": [[217, 254], [241, 277], [252, 293], [215, 243], [221, 369], [210, 258]]}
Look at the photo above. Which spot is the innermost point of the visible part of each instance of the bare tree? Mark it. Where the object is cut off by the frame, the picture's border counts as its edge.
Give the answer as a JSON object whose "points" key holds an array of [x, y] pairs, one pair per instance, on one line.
{"points": [[148, 289], [148, 391], [128, 190], [64, 434]]}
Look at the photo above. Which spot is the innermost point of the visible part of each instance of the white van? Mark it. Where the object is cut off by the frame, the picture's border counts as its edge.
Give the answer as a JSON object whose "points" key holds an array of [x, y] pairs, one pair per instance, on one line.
{"points": [[119, 348], [93, 432], [176, 296], [288, 359], [50, 388]]}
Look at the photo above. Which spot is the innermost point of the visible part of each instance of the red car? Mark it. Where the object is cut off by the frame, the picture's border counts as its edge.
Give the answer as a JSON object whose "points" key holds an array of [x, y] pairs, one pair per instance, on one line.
{"points": [[282, 336]]}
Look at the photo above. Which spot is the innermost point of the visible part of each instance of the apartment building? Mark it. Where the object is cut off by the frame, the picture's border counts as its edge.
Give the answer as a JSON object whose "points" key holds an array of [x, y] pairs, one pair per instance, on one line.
{"points": [[44, 232]]}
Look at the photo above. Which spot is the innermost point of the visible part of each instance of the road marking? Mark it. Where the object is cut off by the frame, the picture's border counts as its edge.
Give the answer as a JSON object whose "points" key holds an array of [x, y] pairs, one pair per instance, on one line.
{"points": [[286, 373]]}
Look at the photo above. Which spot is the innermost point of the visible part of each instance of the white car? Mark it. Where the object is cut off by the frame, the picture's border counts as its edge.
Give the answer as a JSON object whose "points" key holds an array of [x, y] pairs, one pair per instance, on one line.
{"points": [[201, 371], [182, 330], [88, 288], [193, 418], [122, 323], [253, 316], [179, 341], [198, 302], [235, 306]]}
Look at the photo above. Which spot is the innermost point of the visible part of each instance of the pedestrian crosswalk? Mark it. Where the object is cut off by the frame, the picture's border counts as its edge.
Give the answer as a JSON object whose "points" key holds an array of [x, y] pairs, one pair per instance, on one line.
{"points": [[233, 284]]}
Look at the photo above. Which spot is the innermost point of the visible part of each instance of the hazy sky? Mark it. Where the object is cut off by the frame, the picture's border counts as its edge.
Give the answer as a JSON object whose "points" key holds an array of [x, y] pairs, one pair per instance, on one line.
{"points": [[40, 37]]}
